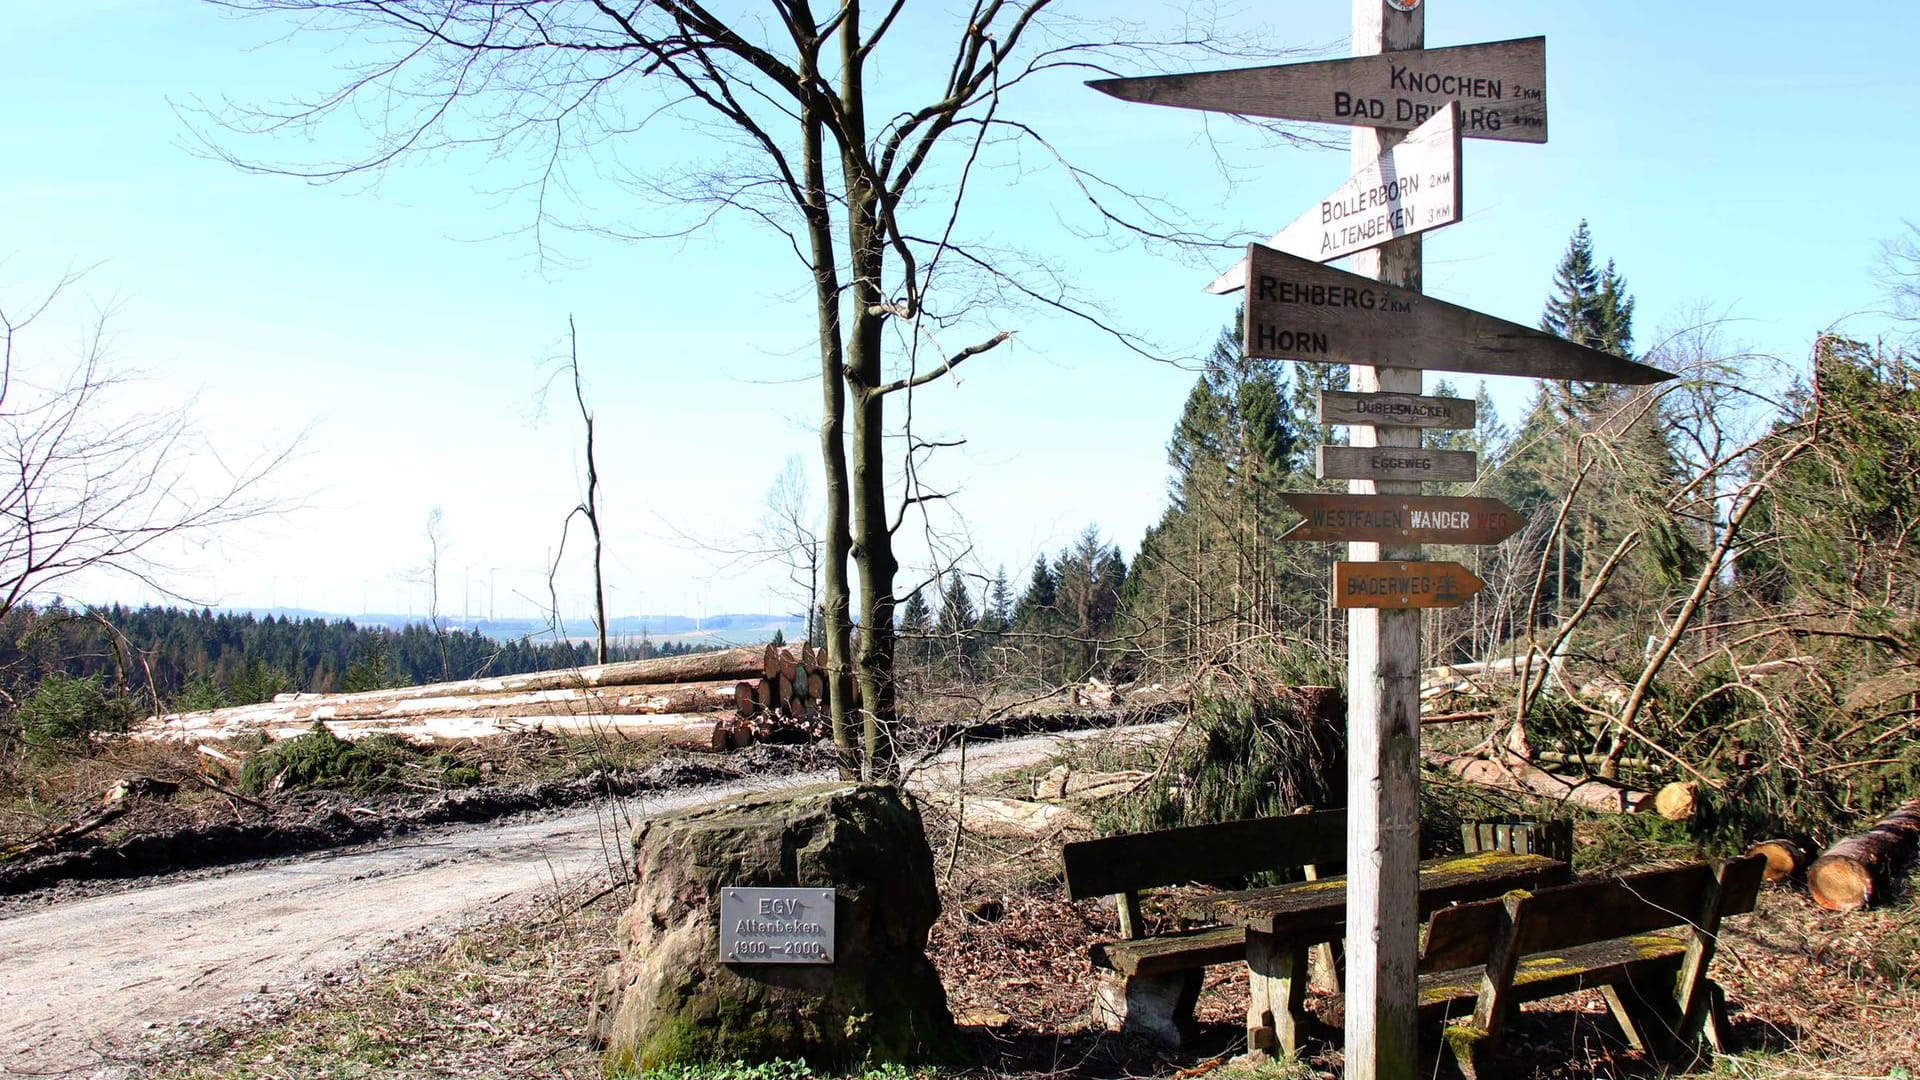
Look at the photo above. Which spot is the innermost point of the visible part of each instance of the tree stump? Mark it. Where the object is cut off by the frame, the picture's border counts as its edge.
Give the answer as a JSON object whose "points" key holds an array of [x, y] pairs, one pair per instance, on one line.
{"points": [[670, 998]]}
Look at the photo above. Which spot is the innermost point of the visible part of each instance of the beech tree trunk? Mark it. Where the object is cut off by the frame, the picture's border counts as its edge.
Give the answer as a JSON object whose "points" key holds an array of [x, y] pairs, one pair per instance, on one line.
{"points": [[1859, 870]]}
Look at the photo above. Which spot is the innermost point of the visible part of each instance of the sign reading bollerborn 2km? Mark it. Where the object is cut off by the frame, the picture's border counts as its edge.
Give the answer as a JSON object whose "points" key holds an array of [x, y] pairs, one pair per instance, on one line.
{"points": [[1298, 309], [1501, 87], [1413, 187]]}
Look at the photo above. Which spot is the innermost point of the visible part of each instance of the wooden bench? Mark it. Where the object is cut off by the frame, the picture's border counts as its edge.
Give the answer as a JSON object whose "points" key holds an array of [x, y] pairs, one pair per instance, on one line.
{"points": [[1645, 940], [1149, 982]]}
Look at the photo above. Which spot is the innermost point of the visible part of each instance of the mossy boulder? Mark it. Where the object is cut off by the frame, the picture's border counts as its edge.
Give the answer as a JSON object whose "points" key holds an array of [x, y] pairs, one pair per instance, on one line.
{"points": [[670, 998]]}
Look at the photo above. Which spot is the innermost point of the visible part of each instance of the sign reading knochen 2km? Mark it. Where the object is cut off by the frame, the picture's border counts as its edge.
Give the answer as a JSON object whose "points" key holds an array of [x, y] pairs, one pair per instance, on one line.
{"points": [[1413, 187], [1300, 310], [1501, 87]]}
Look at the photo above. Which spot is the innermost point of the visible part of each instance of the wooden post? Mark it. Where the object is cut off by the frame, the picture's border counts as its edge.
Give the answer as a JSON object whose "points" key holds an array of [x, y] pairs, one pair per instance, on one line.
{"points": [[1383, 683]]}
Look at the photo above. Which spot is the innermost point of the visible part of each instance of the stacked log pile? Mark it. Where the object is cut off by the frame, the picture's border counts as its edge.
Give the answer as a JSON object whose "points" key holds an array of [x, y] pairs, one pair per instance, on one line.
{"points": [[709, 701]]}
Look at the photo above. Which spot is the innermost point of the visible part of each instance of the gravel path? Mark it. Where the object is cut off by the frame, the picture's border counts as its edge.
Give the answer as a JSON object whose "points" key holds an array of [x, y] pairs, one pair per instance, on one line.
{"points": [[83, 982]]}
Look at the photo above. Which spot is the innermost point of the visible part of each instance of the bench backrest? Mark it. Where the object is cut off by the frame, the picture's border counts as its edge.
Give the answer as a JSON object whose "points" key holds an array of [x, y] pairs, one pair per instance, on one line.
{"points": [[1569, 916], [1230, 849]]}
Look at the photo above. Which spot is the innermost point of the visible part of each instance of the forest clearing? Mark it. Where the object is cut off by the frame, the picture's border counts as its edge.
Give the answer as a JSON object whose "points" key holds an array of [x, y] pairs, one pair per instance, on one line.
{"points": [[1445, 682]]}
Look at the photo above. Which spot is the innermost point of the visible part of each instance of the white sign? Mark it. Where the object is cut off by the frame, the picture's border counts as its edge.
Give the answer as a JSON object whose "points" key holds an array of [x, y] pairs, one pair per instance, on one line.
{"points": [[1413, 187], [776, 926]]}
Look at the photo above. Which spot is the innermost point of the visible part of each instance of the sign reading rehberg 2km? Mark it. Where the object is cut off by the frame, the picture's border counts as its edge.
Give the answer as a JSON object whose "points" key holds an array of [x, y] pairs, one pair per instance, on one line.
{"points": [[1413, 187], [1501, 87], [1298, 309], [1401, 519]]}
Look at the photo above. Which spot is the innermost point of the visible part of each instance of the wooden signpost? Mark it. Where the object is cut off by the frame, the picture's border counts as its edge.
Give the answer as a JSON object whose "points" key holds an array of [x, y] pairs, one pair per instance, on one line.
{"points": [[1395, 585], [1377, 321], [1300, 310], [1401, 519], [1395, 463], [1501, 87], [1411, 188], [1407, 410]]}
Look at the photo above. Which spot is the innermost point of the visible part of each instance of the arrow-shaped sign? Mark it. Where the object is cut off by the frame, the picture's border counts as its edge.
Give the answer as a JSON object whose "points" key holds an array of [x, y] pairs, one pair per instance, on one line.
{"points": [[1413, 187], [1403, 584], [1401, 519], [1501, 87], [1298, 309]]}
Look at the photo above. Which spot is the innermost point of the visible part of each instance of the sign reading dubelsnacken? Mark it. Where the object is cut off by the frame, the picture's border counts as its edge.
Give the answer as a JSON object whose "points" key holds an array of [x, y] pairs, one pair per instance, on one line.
{"points": [[776, 926]]}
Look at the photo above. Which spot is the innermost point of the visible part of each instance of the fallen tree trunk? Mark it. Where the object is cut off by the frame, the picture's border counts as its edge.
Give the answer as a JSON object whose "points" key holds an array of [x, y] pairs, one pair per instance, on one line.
{"points": [[727, 665], [1526, 780], [1859, 870], [1784, 859]]}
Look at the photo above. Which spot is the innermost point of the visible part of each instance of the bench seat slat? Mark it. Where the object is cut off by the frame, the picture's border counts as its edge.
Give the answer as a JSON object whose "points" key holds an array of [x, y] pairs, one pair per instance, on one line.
{"points": [[1451, 994], [1165, 953]]}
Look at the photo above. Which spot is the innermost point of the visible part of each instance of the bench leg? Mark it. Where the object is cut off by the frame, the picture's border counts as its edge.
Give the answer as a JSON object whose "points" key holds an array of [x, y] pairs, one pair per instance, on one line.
{"points": [[1277, 987], [1645, 1011], [1159, 1007], [1719, 1027]]}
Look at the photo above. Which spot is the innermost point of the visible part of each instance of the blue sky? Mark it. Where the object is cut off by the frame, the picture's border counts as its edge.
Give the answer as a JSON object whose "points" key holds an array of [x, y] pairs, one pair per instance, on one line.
{"points": [[1745, 159]]}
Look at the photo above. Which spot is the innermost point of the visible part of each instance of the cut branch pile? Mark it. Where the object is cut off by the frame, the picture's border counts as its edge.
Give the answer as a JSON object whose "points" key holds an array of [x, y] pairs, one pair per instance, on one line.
{"points": [[701, 701]]}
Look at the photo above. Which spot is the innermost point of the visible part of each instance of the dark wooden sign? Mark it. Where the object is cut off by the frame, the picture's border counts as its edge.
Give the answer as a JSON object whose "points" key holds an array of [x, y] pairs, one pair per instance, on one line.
{"points": [[1298, 309], [1395, 463], [1403, 584], [1402, 410], [1413, 187], [1401, 519], [1501, 87]]}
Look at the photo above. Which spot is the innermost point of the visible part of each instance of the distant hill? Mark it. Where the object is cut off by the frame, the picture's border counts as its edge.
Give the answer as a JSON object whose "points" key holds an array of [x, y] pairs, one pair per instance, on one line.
{"points": [[727, 629]]}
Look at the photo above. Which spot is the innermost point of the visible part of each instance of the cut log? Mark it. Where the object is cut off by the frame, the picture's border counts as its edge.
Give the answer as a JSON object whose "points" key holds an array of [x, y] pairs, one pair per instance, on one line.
{"points": [[642, 700], [218, 760], [1859, 870], [746, 700], [1784, 859], [1676, 802], [694, 668], [1580, 791], [1457, 717], [817, 685]]}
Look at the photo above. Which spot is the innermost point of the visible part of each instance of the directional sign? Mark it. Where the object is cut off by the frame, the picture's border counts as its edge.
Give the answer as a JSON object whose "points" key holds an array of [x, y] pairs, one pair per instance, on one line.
{"points": [[1413, 187], [1403, 584], [1395, 463], [1501, 87], [1300, 310], [1404, 410], [1401, 519]]}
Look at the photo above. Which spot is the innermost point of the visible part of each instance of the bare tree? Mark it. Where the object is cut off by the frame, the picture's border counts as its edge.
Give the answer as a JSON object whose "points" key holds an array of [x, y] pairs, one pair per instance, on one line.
{"points": [[96, 487], [587, 509], [868, 201]]}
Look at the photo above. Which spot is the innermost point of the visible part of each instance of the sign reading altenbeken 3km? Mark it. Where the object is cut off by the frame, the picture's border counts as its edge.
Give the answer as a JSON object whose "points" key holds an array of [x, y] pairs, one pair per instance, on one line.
{"points": [[1413, 187], [1501, 87], [776, 926]]}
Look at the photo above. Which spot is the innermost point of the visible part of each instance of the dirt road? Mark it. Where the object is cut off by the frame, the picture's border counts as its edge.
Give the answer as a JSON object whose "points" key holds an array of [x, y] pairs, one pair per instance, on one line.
{"points": [[82, 983]]}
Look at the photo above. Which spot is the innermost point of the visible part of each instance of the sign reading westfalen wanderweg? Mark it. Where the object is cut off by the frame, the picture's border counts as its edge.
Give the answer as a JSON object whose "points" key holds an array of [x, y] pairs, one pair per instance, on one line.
{"points": [[776, 926]]}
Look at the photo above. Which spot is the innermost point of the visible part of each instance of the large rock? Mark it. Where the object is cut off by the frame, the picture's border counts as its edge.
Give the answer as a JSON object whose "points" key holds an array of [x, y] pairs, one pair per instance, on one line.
{"points": [[670, 999]]}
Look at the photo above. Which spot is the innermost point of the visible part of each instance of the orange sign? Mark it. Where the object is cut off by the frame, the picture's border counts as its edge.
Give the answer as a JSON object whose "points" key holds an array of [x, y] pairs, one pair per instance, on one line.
{"points": [[1402, 584]]}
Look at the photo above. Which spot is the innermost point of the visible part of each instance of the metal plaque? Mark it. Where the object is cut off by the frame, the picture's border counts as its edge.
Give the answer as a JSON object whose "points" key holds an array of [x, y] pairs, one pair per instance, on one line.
{"points": [[776, 926]]}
